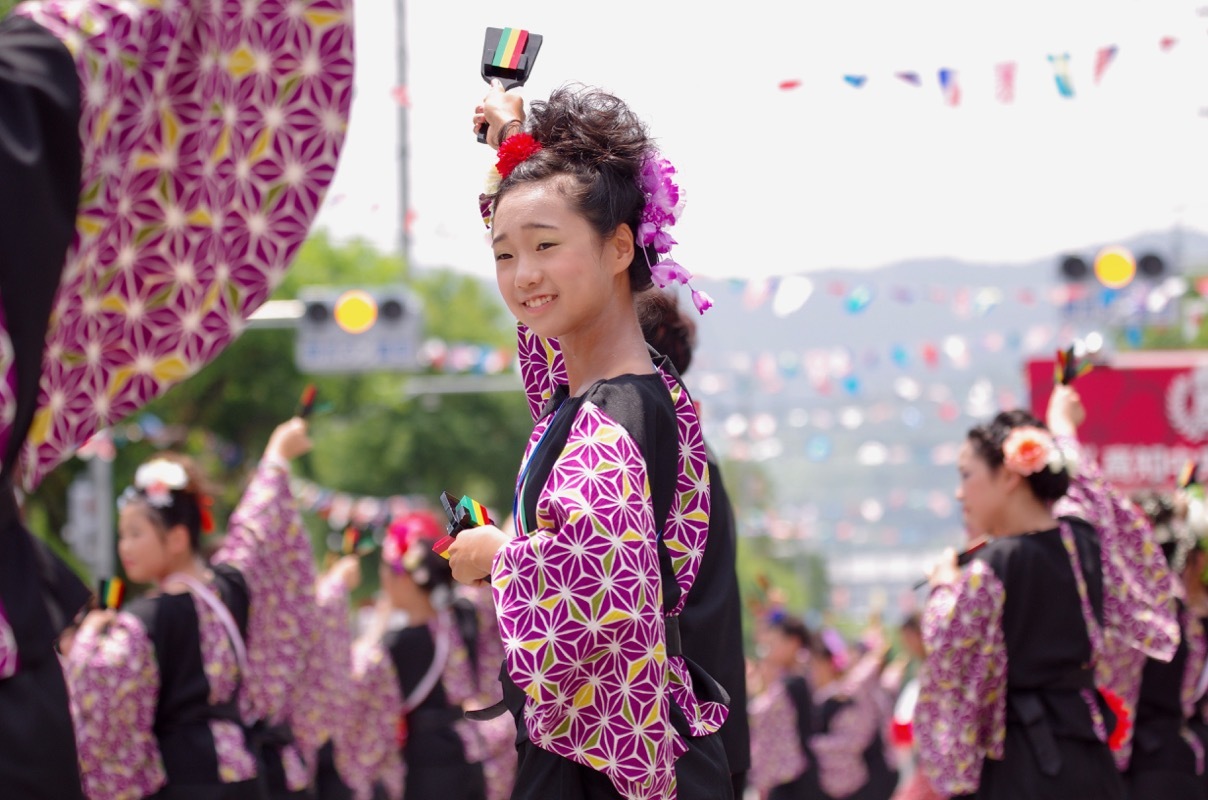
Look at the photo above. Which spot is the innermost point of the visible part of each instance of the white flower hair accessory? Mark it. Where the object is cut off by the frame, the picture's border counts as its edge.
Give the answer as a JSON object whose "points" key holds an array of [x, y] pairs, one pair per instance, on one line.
{"points": [[158, 479], [1062, 458]]}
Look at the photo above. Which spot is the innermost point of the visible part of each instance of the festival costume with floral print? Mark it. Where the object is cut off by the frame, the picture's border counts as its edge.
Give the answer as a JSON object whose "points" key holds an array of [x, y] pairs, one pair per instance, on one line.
{"points": [[405, 744], [1139, 589], [961, 713], [210, 136], [143, 706], [1015, 639], [781, 727], [168, 160], [1167, 758], [582, 609]]}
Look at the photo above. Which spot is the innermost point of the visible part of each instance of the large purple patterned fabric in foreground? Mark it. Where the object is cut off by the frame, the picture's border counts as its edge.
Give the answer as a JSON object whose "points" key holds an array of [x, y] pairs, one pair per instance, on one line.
{"points": [[579, 599], [210, 132]]}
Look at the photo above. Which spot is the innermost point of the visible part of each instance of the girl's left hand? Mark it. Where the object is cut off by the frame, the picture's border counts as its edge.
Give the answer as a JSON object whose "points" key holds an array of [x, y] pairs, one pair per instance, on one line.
{"points": [[473, 552], [97, 620], [946, 571]]}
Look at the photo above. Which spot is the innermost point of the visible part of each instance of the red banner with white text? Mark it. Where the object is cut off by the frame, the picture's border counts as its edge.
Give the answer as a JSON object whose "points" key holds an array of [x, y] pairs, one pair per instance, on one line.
{"points": [[1146, 413]]}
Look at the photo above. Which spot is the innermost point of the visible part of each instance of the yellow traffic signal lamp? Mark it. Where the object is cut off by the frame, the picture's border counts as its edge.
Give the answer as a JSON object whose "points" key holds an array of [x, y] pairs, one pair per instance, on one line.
{"points": [[1115, 267], [355, 311]]}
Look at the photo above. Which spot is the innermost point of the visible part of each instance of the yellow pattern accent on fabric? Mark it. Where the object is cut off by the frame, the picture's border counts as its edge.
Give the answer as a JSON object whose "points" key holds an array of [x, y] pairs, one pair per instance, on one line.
{"points": [[172, 368], [171, 128], [322, 19], [241, 62], [585, 696], [224, 145], [262, 145], [616, 615], [40, 426]]}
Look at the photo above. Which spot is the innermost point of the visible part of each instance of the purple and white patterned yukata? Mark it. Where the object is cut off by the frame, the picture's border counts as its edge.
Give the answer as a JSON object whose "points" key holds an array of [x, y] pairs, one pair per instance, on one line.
{"points": [[114, 676], [961, 716], [1138, 587], [370, 752], [579, 594], [210, 132], [777, 755]]}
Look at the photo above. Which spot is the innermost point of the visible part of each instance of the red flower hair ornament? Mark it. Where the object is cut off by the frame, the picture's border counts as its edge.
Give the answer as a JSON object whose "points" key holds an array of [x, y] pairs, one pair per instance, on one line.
{"points": [[1027, 450]]}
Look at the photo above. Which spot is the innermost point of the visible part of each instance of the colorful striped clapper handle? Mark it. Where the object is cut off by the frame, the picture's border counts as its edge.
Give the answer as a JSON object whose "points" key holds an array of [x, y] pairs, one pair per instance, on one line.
{"points": [[110, 593], [463, 514], [507, 54]]}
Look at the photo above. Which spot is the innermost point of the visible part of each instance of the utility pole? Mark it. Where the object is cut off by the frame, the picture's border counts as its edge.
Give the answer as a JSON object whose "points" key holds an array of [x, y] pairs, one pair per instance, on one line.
{"points": [[403, 95]]}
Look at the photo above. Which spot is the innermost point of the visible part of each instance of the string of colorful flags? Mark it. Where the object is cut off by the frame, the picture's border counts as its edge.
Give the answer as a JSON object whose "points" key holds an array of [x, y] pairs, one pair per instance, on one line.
{"points": [[343, 509], [1005, 74], [789, 293]]}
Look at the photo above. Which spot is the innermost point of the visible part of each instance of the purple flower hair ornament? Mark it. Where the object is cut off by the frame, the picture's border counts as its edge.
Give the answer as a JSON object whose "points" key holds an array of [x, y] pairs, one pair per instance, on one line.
{"points": [[664, 204]]}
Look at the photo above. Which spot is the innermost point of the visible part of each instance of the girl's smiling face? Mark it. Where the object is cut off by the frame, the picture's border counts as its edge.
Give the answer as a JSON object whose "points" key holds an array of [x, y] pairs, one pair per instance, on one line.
{"points": [[554, 272]]}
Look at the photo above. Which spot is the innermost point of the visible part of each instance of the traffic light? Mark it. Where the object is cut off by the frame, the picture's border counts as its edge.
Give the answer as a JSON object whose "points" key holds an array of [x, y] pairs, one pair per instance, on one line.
{"points": [[1114, 267], [358, 330]]}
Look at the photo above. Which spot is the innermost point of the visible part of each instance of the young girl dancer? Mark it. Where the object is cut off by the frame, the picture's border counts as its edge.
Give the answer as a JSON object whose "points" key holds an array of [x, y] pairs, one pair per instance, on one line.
{"points": [[612, 503], [170, 694]]}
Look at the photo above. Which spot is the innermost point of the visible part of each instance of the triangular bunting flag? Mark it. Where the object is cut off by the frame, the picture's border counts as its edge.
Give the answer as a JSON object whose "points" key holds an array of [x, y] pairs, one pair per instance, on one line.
{"points": [[1103, 59]]}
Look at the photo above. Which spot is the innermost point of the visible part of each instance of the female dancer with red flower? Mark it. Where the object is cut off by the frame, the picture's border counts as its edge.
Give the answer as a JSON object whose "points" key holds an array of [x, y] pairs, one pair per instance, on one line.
{"points": [[407, 738], [612, 502], [164, 691], [1009, 705]]}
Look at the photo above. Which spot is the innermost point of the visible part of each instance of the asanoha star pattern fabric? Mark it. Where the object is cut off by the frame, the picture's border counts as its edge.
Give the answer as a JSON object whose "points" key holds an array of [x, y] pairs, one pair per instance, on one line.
{"points": [[114, 678], [1138, 588], [320, 708], [210, 132], [267, 543], [839, 750], [777, 756], [114, 683], [368, 750], [961, 715], [579, 599]]}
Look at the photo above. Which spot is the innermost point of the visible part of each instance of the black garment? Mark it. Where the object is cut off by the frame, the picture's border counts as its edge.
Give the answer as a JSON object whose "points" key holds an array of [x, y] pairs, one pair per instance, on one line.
{"points": [[1162, 762], [183, 713], [711, 621], [244, 790], [433, 752], [328, 783], [40, 167], [1199, 718], [804, 786], [642, 405], [1051, 749], [882, 779]]}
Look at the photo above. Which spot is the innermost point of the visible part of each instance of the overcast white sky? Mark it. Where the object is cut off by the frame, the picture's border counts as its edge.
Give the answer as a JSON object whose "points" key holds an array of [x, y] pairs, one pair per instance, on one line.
{"points": [[825, 175]]}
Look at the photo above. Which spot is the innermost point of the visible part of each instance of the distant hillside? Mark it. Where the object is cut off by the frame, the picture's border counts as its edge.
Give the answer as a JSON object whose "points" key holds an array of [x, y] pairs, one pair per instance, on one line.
{"points": [[854, 404]]}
